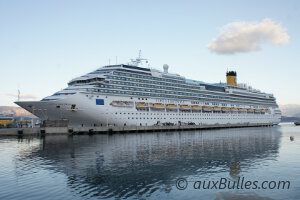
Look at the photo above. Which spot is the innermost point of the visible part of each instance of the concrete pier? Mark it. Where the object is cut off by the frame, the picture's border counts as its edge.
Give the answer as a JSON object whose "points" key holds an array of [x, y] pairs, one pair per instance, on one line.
{"points": [[42, 131]]}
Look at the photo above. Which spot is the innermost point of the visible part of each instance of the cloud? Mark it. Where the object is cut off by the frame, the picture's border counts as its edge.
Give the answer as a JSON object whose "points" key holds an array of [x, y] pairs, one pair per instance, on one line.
{"points": [[241, 37], [23, 96]]}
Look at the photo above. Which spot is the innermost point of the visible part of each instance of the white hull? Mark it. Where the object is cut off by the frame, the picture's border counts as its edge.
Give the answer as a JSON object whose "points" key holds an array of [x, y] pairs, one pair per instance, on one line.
{"points": [[87, 113]]}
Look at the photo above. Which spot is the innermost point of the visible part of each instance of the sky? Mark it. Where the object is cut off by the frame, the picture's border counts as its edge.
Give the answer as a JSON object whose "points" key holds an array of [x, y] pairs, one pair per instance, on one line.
{"points": [[44, 44]]}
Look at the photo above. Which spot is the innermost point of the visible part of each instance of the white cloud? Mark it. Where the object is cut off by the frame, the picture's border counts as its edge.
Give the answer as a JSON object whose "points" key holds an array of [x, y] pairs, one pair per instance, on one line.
{"points": [[240, 37]]}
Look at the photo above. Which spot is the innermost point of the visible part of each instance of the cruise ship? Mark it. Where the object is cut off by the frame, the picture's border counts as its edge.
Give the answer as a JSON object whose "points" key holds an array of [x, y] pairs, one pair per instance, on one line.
{"points": [[133, 95]]}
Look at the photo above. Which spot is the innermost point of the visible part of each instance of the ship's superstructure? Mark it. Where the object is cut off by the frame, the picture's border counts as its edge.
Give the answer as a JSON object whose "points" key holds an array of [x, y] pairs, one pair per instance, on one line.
{"points": [[127, 94]]}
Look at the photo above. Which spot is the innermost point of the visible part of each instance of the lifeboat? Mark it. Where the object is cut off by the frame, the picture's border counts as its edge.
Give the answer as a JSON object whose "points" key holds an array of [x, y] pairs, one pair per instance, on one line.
{"points": [[141, 105], [263, 110], [196, 107], [207, 108], [242, 109], [171, 106], [234, 109], [225, 109], [185, 107], [122, 104], [158, 105], [257, 110], [250, 110], [216, 108]]}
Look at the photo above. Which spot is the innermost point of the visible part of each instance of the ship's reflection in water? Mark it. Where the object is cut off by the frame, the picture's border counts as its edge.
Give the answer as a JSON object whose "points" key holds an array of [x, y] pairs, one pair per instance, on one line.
{"points": [[147, 165]]}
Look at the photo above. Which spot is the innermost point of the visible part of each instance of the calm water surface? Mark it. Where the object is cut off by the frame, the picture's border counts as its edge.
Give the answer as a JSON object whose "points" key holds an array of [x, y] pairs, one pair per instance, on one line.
{"points": [[147, 165]]}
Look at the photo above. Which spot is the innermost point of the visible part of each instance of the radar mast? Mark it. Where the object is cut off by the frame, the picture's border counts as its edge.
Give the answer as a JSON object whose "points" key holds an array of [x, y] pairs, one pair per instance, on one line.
{"points": [[139, 60]]}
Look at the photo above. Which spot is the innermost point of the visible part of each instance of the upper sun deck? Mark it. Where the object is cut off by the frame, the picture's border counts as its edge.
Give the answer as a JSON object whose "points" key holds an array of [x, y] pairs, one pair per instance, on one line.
{"points": [[102, 72]]}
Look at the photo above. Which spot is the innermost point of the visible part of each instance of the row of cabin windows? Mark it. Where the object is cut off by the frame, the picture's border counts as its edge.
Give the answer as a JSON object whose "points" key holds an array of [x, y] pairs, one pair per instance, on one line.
{"points": [[149, 77], [169, 96], [161, 85], [156, 83], [179, 91], [187, 87], [157, 94], [153, 95], [170, 80], [184, 118], [171, 114]]}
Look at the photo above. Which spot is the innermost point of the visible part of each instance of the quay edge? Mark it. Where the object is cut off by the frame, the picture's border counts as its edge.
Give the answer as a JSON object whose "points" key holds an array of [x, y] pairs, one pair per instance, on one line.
{"points": [[42, 131]]}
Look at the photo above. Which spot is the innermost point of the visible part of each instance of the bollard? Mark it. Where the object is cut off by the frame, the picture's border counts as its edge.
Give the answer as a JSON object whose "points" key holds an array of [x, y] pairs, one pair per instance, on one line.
{"points": [[20, 132], [43, 132], [91, 131]]}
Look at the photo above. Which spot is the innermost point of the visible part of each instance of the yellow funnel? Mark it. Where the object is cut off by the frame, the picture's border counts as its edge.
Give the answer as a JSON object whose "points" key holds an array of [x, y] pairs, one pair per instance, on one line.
{"points": [[231, 78]]}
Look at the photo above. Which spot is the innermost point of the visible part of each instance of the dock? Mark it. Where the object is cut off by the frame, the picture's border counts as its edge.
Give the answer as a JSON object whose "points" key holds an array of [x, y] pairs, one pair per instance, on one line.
{"points": [[43, 131]]}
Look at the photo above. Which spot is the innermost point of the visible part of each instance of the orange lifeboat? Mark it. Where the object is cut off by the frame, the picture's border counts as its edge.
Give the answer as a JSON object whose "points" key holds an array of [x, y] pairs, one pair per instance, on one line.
{"points": [[185, 107], [250, 110], [196, 107], [207, 108], [234, 109], [158, 105], [141, 105], [171, 106], [225, 109], [216, 108]]}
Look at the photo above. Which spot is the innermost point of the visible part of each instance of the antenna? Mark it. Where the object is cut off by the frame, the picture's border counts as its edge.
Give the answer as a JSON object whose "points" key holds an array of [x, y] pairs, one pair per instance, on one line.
{"points": [[139, 59], [116, 60], [18, 94], [140, 54]]}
